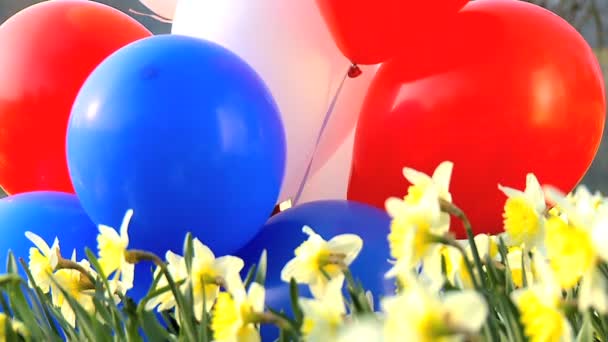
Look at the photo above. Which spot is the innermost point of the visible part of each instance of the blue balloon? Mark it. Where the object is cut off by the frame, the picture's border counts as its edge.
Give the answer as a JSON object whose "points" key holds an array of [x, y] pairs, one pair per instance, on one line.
{"points": [[49, 215], [185, 133], [283, 233]]}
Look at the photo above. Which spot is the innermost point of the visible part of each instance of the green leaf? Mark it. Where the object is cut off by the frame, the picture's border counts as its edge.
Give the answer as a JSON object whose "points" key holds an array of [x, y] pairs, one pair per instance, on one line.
{"points": [[586, 332], [295, 304], [249, 278], [260, 276], [11, 263], [188, 252], [152, 329]]}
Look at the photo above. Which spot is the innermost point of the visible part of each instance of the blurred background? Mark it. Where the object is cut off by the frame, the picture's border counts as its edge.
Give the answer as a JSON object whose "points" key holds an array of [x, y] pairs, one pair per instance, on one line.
{"points": [[590, 17]]}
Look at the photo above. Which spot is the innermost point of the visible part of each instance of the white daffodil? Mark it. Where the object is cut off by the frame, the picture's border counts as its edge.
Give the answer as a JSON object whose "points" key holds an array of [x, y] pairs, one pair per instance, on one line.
{"points": [[113, 249], [524, 214], [317, 261], [324, 316], [77, 286], [418, 315], [235, 313], [42, 261]]}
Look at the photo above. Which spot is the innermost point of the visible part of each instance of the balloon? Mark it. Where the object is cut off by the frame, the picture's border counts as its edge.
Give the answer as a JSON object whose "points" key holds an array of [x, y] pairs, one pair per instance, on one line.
{"points": [[370, 32], [282, 234], [192, 142], [288, 44], [520, 92], [47, 214], [48, 50]]}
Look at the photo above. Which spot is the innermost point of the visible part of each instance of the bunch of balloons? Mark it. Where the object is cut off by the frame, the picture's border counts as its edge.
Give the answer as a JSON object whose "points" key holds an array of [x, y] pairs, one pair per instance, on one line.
{"points": [[248, 104]]}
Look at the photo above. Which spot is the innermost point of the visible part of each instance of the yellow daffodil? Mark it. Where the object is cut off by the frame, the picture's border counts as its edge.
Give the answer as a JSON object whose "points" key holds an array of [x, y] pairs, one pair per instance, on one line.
{"points": [[3, 320], [519, 265], [235, 314], [524, 214], [540, 316], [206, 271], [42, 261], [575, 245], [361, 330], [317, 260], [456, 270], [418, 315], [113, 249], [77, 286], [421, 183], [324, 316], [176, 265], [415, 234]]}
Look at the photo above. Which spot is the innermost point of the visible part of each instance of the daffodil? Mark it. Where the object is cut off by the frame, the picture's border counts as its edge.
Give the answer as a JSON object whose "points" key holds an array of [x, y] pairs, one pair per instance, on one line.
{"points": [[524, 214], [416, 232], [418, 315], [519, 266], [3, 320], [361, 330], [541, 316], [576, 245], [421, 183], [456, 269], [236, 313], [208, 272], [77, 287], [113, 251], [317, 261], [324, 316], [42, 261], [176, 265]]}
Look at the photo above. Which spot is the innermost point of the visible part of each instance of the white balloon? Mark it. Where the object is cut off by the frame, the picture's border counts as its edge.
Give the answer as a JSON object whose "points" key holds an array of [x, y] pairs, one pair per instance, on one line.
{"points": [[288, 44]]}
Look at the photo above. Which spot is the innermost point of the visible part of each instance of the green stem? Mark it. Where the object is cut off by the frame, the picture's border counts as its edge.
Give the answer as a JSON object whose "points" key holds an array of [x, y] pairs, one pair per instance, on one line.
{"points": [[457, 212], [134, 256]]}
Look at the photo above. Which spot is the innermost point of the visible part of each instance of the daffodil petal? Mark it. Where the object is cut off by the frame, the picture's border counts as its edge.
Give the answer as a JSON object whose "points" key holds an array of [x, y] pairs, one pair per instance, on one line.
{"points": [[201, 251], [39, 243], [348, 244], [256, 296], [443, 174], [468, 310]]}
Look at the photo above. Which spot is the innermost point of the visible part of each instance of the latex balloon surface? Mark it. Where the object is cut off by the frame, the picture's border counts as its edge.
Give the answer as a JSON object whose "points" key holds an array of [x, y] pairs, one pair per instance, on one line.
{"points": [[49, 215], [47, 52], [371, 32], [520, 92], [192, 142], [290, 46], [282, 234]]}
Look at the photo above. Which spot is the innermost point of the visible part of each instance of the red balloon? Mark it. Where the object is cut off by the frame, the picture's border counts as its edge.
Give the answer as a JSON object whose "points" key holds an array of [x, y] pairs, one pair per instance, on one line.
{"points": [[46, 53], [519, 92], [370, 32]]}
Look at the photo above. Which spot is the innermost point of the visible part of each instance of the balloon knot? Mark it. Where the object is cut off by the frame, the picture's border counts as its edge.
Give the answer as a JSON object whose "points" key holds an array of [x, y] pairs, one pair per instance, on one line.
{"points": [[354, 71]]}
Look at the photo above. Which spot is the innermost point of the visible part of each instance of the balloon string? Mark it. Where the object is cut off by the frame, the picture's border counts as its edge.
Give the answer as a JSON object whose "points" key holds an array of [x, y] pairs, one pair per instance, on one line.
{"points": [[328, 115]]}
